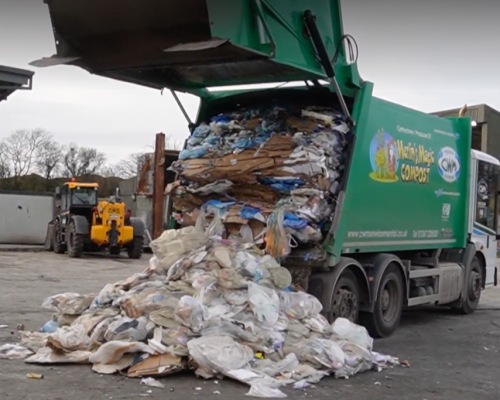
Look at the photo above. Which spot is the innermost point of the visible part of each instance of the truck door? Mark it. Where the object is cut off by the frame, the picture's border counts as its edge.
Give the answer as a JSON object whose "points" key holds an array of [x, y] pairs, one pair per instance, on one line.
{"points": [[486, 222]]}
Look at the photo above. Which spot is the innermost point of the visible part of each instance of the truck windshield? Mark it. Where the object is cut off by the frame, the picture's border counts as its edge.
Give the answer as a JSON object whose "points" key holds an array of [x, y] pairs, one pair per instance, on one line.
{"points": [[84, 196], [487, 195]]}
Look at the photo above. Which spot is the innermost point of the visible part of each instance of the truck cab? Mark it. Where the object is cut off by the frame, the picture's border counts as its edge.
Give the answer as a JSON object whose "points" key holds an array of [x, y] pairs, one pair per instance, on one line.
{"points": [[484, 228]]}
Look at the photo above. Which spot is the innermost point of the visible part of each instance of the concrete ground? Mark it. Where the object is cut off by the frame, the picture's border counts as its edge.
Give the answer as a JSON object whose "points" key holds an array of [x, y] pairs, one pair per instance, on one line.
{"points": [[450, 356]]}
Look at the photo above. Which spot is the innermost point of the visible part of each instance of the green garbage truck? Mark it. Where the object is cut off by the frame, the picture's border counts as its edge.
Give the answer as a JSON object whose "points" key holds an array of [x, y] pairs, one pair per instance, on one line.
{"points": [[413, 196]]}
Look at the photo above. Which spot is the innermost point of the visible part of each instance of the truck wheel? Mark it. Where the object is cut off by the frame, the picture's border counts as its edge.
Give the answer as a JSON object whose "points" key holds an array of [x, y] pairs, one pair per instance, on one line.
{"points": [[75, 241], [345, 298], [135, 248], [340, 296], [58, 247], [473, 288], [389, 304]]}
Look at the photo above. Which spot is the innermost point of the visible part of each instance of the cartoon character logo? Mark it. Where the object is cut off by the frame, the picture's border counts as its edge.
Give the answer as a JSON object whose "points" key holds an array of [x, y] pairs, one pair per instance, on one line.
{"points": [[448, 164], [384, 158]]}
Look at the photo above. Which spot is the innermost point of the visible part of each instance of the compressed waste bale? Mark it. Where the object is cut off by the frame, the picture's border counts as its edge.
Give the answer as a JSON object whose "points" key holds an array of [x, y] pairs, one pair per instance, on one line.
{"points": [[265, 174]]}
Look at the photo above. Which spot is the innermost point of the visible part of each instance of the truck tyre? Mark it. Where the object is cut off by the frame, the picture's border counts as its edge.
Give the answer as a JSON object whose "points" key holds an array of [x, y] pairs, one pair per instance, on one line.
{"points": [[338, 295], [345, 298], [58, 247], [473, 286], [74, 241], [135, 248], [384, 319]]}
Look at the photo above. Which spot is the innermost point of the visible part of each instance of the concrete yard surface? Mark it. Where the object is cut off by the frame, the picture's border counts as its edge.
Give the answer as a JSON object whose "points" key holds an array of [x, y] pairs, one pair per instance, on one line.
{"points": [[450, 356]]}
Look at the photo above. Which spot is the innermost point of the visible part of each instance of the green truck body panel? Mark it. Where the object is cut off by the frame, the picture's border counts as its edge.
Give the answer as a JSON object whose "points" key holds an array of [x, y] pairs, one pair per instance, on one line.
{"points": [[408, 181], [159, 43]]}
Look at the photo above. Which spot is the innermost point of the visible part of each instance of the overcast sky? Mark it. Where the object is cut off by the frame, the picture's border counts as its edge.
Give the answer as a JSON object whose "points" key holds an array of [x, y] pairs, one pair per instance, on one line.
{"points": [[429, 55]]}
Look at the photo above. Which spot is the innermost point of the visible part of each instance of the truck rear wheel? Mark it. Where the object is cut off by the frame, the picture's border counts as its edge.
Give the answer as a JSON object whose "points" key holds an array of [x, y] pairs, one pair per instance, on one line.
{"points": [[339, 296], [135, 248], [389, 305], [75, 241], [473, 288]]}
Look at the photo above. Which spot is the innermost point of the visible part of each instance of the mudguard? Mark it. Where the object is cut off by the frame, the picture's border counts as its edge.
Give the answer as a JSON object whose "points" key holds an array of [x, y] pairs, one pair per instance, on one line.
{"points": [[380, 263], [81, 225], [138, 225]]}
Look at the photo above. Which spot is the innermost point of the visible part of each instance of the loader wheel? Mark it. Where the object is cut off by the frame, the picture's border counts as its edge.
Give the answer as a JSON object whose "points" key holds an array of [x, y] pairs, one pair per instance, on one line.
{"points": [[75, 241], [58, 247], [473, 289], [389, 305], [135, 248]]}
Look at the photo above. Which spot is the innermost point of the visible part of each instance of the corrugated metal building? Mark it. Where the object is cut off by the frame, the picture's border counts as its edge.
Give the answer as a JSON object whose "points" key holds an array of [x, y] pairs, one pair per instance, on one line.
{"points": [[486, 132]]}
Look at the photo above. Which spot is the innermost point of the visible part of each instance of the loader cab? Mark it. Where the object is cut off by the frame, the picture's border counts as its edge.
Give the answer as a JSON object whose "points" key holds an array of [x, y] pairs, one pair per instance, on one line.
{"points": [[77, 198]]}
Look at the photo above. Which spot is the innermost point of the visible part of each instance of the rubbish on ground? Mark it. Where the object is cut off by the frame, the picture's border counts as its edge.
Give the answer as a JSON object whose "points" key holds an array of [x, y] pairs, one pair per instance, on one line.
{"points": [[20, 327], [222, 310], [34, 376], [4, 326], [405, 363], [152, 383], [14, 352]]}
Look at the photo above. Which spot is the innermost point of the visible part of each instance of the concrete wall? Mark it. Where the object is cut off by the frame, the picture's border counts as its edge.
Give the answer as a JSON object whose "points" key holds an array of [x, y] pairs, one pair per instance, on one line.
{"points": [[492, 127], [24, 217]]}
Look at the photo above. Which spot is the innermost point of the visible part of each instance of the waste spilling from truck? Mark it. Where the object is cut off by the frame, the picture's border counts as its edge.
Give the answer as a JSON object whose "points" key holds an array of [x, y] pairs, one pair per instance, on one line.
{"points": [[216, 306], [268, 175]]}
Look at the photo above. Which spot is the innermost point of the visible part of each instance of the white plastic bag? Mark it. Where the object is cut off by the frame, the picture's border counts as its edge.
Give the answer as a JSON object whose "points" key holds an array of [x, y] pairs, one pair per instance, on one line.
{"points": [[265, 303], [189, 312], [218, 354], [344, 329], [299, 305], [112, 352]]}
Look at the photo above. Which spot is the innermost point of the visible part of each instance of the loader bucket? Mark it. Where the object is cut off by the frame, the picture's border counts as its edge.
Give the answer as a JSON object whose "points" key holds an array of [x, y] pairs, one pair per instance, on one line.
{"points": [[190, 45]]}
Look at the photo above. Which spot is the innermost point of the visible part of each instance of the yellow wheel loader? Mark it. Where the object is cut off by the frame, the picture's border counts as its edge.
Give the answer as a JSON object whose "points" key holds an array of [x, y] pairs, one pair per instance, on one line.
{"points": [[85, 224]]}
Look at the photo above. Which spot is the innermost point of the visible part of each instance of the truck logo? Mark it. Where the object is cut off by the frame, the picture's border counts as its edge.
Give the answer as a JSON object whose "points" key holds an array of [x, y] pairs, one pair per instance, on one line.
{"points": [[448, 164]]}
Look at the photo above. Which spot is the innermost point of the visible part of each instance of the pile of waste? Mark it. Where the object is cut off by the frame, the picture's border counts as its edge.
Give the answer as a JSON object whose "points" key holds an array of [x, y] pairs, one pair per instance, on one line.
{"points": [[267, 175], [219, 307]]}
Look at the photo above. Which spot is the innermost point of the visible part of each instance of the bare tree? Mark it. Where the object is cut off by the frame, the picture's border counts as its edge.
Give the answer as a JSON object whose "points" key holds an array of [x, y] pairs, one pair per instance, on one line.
{"points": [[131, 165], [4, 162], [128, 167], [20, 148], [80, 161], [49, 158]]}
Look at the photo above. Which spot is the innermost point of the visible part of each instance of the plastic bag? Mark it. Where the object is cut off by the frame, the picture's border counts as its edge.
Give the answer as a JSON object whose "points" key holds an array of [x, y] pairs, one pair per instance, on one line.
{"points": [[173, 244], [299, 305], [127, 329], [276, 238], [68, 303], [218, 354], [342, 328], [265, 303], [112, 352], [320, 353], [14, 352], [69, 339], [189, 313]]}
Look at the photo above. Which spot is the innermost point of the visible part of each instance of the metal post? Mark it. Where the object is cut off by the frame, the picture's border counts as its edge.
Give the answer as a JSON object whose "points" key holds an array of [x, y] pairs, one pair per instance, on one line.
{"points": [[158, 185]]}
